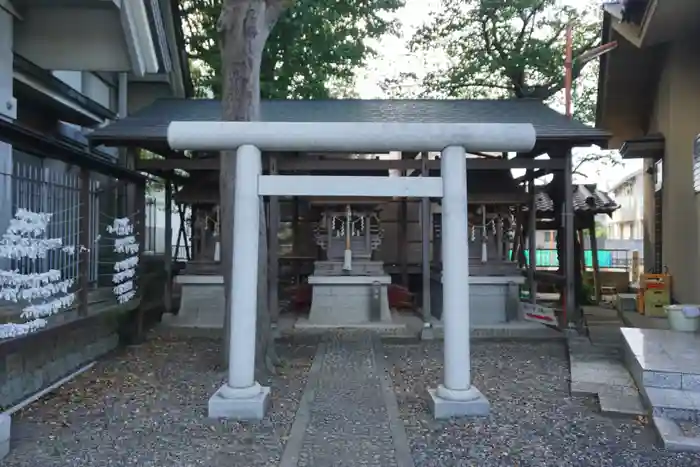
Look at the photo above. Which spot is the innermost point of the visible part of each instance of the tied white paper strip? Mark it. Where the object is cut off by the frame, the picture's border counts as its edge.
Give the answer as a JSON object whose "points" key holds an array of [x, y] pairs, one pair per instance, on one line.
{"points": [[126, 245], [123, 275], [121, 227], [16, 330], [124, 270], [126, 264], [25, 238], [124, 287], [15, 294], [42, 310]]}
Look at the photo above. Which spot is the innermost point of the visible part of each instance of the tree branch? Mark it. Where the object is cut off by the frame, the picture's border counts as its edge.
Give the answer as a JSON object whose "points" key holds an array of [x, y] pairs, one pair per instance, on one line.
{"points": [[274, 9], [527, 21]]}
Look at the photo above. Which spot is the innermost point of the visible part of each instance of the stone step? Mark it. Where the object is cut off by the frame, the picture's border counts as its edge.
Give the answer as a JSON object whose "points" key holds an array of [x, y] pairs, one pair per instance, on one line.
{"points": [[653, 367], [620, 400], [673, 404], [674, 437]]}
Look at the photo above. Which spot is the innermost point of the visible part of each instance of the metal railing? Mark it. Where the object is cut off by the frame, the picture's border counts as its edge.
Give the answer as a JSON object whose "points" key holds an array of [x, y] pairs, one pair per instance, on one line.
{"points": [[607, 259], [47, 190]]}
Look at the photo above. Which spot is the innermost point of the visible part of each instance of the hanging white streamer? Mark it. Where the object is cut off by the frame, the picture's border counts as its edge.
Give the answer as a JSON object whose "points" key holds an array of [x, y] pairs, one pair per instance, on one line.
{"points": [[25, 239], [16, 330], [125, 269]]}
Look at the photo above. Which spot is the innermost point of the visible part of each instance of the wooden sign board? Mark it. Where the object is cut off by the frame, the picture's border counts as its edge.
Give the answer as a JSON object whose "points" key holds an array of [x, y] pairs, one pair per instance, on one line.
{"points": [[539, 314]]}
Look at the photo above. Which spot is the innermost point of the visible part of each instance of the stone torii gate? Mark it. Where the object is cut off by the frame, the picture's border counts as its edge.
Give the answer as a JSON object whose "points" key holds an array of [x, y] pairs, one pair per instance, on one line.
{"points": [[241, 396]]}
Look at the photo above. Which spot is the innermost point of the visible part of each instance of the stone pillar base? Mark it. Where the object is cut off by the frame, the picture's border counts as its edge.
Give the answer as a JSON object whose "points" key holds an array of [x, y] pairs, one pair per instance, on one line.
{"points": [[244, 408], [427, 333], [476, 405], [5, 425]]}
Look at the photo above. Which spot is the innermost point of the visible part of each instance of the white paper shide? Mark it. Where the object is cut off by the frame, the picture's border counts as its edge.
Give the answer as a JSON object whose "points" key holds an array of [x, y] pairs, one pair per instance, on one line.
{"points": [[43, 293], [124, 270]]}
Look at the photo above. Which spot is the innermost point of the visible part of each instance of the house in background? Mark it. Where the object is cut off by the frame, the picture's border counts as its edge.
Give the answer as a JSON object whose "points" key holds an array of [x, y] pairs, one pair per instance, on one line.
{"points": [[649, 98], [627, 223], [546, 239]]}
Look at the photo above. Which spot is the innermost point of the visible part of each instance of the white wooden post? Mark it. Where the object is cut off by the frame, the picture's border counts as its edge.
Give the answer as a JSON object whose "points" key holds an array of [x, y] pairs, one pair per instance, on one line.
{"points": [[456, 396]]}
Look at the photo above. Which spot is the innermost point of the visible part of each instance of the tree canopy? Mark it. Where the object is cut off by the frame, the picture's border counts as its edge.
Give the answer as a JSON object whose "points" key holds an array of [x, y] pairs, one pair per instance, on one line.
{"points": [[312, 52], [509, 48]]}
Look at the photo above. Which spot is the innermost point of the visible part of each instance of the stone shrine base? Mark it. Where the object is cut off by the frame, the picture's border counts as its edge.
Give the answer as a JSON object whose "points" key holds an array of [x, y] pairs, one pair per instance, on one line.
{"points": [[201, 304], [348, 300], [493, 300], [397, 325]]}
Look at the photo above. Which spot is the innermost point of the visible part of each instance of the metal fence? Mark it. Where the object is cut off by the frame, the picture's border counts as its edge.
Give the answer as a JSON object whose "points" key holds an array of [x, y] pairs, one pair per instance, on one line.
{"points": [[607, 259], [43, 189]]}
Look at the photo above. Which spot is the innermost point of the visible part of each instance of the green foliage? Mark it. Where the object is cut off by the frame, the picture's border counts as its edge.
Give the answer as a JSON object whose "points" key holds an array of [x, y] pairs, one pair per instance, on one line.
{"points": [[600, 230], [312, 52], [509, 48]]}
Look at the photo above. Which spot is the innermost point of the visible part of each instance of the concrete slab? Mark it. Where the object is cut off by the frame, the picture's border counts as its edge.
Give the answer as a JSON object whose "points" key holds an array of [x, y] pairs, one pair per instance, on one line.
{"points": [[662, 358], [620, 402], [305, 324], [509, 330]]}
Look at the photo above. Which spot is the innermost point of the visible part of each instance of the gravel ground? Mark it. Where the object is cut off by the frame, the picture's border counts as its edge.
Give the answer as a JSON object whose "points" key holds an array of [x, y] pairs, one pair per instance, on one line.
{"points": [[146, 406], [534, 420]]}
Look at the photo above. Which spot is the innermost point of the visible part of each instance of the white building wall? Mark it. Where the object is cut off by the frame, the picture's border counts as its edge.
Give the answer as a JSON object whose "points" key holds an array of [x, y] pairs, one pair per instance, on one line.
{"points": [[73, 79], [97, 90], [155, 225], [627, 222]]}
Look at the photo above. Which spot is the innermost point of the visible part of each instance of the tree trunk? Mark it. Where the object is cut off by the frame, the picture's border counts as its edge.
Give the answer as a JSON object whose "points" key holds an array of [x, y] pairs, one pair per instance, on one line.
{"points": [[244, 26]]}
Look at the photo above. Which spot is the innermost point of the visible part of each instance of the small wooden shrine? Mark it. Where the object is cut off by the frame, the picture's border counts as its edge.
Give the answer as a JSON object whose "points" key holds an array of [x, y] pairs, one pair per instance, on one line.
{"points": [[393, 242]]}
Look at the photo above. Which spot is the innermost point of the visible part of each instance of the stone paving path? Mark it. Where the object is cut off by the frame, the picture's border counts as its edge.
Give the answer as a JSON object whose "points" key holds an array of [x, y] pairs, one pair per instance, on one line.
{"points": [[597, 366], [348, 415]]}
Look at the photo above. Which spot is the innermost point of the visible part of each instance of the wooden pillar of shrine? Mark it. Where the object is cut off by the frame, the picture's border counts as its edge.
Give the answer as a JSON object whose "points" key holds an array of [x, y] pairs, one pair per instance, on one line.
{"points": [[594, 252], [532, 239], [273, 248], [85, 242], [168, 294]]}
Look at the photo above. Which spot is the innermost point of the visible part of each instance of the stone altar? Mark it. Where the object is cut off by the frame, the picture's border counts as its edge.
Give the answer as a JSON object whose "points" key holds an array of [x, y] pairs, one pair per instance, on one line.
{"points": [[354, 296], [494, 280], [202, 296]]}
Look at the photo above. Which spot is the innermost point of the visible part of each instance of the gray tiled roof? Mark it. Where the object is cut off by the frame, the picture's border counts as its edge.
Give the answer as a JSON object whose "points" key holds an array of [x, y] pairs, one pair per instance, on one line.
{"points": [[151, 123], [587, 198]]}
